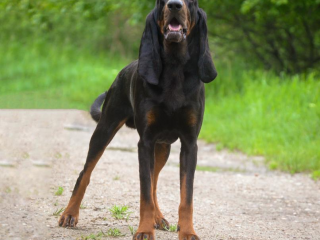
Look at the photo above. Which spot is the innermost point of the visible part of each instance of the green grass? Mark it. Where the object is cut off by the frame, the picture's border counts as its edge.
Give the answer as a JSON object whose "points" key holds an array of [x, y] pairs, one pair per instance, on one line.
{"points": [[83, 206], [217, 169], [112, 232], [172, 228], [93, 236], [316, 175], [132, 230], [59, 191], [116, 178], [39, 75], [57, 212], [120, 212], [273, 117], [255, 112]]}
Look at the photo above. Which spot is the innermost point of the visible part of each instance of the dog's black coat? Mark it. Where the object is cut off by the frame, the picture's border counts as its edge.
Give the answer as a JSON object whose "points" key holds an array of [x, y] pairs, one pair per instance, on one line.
{"points": [[169, 80], [161, 95]]}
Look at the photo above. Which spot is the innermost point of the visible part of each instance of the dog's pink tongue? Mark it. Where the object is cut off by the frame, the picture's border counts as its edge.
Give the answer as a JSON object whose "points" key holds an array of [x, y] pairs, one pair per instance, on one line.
{"points": [[174, 27]]}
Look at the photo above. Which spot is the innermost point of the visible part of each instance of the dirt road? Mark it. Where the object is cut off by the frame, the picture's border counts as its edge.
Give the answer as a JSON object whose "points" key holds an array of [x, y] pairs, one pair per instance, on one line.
{"points": [[42, 150]]}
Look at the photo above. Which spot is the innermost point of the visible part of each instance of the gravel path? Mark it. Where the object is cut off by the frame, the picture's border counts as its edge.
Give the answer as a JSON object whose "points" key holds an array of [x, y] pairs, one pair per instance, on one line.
{"points": [[42, 150]]}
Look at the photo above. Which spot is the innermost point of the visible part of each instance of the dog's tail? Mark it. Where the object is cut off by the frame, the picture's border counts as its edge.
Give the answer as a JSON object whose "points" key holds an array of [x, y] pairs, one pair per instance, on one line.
{"points": [[95, 107]]}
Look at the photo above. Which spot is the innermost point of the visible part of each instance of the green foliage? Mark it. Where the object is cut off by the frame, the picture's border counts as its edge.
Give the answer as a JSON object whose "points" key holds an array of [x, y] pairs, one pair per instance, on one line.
{"points": [[59, 191], [99, 25], [82, 206], [7, 190], [253, 111], [277, 117], [283, 35], [217, 169], [57, 212], [172, 228], [114, 232], [120, 212], [62, 76], [316, 175], [273, 165], [132, 230], [93, 236]]}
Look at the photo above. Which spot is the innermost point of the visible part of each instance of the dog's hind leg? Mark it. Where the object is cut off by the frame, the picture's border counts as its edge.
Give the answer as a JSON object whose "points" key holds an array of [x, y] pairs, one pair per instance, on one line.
{"points": [[162, 152], [112, 119]]}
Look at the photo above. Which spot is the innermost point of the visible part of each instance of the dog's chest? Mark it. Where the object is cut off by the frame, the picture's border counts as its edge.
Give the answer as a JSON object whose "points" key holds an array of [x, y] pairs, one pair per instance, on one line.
{"points": [[173, 97], [174, 85], [166, 121]]}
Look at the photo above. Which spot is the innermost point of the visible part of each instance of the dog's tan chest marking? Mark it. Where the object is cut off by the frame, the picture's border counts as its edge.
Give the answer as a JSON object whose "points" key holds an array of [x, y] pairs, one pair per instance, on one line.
{"points": [[151, 117], [192, 118]]}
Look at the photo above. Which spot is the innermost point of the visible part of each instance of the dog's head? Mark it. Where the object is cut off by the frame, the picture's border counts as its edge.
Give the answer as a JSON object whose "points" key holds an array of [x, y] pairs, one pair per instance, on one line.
{"points": [[176, 18], [174, 21]]}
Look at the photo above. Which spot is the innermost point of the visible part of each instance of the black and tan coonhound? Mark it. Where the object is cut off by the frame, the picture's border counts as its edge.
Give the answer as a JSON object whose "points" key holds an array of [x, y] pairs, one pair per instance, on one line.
{"points": [[162, 96]]}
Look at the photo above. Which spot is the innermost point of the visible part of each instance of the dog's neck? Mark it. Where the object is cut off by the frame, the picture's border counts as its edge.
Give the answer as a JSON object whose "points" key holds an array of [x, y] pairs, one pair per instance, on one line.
{"points": [[175, 54], [174, 58]]}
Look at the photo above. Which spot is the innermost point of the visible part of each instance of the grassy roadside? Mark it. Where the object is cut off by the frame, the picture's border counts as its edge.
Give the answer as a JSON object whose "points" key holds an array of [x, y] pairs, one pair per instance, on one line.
{"points": [[279, 119], [40, 75], [254, 112]]}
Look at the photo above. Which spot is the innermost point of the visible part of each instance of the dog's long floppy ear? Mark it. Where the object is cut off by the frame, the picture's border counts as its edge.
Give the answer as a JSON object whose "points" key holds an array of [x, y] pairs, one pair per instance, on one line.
{"points": [[207, 70], [150, 65]]}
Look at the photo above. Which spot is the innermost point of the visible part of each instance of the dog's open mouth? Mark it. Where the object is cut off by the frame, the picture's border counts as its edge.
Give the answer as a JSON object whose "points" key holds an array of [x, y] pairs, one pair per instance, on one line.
{"points": [[175, 32]]}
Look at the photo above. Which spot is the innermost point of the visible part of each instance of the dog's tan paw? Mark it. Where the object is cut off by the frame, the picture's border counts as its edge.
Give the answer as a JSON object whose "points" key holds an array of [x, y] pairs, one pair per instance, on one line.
{"points": [[162, 224], [69, 219], [144, 236]]}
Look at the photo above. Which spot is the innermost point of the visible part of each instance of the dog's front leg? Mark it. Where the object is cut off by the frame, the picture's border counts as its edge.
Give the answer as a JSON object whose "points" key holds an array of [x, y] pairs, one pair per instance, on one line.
{"points": [[188, 162], [147, 208]]}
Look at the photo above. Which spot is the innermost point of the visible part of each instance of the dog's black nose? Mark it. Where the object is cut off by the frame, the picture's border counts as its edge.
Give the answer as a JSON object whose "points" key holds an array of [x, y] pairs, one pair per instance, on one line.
{"points": [[175, 5]]}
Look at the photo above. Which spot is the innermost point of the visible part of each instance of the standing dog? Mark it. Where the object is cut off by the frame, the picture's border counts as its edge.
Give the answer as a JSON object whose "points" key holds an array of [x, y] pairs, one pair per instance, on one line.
{"points": [[162, 96]]}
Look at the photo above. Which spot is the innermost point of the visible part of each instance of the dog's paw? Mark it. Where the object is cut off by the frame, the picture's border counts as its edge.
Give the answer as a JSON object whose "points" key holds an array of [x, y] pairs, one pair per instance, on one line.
{"points": [[68, 219], [162, 224], [144, 236], [185, 236]]}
